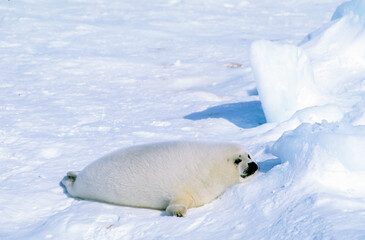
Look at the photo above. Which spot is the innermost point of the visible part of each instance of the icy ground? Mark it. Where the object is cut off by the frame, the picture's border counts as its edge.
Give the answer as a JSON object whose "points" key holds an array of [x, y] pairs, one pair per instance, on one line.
{"points": [[79, 79]]}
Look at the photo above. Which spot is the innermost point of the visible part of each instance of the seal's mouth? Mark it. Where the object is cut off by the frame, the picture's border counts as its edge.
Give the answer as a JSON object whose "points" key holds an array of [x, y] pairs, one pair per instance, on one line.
{"points": [[251, 169]]}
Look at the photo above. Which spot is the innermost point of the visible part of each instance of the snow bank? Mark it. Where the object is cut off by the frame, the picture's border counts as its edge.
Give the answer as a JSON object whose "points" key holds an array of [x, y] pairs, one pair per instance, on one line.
{"points": [[356, 7], [311, 147], [320, 182], [328, 153], [328, 66], [337, 54], [322, 159], [284, 79]]}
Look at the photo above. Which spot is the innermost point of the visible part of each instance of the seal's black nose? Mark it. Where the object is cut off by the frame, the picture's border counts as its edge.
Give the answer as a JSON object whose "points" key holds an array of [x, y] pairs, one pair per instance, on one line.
{"points": [[252, 168]]}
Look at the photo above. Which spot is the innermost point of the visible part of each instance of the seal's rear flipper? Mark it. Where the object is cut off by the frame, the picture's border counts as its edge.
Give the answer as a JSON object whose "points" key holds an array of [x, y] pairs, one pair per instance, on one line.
{"points": [[69, 180], [73, 174]]}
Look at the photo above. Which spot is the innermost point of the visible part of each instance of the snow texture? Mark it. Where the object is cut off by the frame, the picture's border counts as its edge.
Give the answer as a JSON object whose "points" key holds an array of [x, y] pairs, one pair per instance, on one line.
{"points": [[79, 79]]}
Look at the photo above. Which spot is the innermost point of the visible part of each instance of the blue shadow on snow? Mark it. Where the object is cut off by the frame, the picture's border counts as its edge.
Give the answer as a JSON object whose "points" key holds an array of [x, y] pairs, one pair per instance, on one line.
{"points": [[267, 165], [242, 114]]}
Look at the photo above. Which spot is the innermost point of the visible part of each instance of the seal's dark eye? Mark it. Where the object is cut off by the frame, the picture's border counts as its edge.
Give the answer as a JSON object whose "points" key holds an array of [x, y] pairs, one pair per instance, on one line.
{"points": [[249, 157], [237, 161]]}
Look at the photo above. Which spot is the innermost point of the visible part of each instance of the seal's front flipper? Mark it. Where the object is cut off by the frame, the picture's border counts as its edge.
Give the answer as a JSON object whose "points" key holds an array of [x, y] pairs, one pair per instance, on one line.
{"points": [[178, 207], [177, 210]]}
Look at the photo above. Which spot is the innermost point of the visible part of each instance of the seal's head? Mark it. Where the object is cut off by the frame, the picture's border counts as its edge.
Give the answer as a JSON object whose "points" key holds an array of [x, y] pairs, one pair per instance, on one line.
{"points": [[245, 165]]}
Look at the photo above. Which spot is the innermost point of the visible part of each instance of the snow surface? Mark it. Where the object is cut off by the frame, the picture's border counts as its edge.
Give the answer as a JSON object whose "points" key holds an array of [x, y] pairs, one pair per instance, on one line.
{"points": [[79, 79]]}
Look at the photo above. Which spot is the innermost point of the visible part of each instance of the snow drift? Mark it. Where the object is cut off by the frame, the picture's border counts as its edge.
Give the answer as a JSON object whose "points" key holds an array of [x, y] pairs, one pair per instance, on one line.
{"points": [[328, 66], [356, 7], [315, 91], [284, 79], [330, 153]]}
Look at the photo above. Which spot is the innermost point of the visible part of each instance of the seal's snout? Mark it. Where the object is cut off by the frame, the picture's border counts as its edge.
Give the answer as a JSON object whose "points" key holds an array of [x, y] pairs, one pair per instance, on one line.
{"points": [[251, 169]]}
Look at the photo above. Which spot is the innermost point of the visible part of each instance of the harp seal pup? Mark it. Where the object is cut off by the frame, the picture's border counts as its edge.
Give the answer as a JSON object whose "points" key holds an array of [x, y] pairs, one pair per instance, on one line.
{"points": [[169, 175]]}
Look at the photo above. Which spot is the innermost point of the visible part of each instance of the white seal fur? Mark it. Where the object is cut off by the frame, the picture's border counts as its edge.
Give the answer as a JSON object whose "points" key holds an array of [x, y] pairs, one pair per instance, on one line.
{"points": [[170, 175]]}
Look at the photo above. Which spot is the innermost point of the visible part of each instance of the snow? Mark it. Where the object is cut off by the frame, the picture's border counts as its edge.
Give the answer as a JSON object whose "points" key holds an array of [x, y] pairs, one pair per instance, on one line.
{"points": [[351, 7], [284, 78], [327, 67], [79, 79], [320, 148]]}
